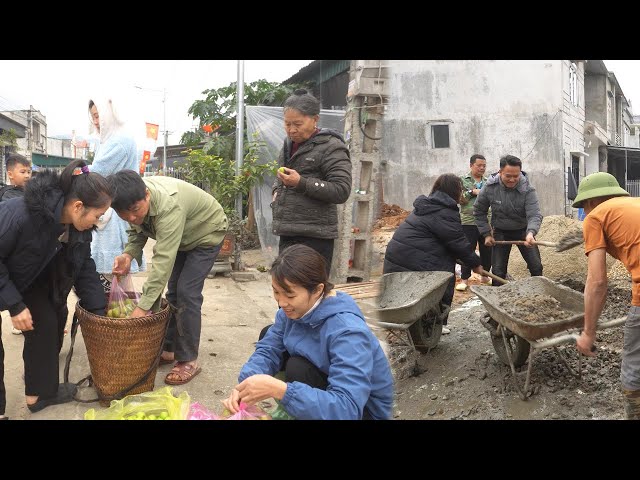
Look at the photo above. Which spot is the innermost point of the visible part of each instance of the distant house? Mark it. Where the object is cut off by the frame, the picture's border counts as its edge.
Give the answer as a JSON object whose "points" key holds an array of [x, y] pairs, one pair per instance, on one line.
{"points": [[330, 80], [175, 155]]}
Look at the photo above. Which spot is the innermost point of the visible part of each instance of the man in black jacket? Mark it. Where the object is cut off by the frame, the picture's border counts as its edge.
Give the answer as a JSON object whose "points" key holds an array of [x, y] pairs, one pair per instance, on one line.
{"points": [[515, 215]]}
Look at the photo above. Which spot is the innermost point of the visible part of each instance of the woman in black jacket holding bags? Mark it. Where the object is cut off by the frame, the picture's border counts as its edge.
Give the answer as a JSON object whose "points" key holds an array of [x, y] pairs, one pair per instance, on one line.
{"points": [[431, 238], [45, 251]]}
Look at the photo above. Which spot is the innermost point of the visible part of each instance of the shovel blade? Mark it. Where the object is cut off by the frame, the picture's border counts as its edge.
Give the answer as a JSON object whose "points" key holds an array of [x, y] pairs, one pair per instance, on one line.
{"points": [[569, 241]]}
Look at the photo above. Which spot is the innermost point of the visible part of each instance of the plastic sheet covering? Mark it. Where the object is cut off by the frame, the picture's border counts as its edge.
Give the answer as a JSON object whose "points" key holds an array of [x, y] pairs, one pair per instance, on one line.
{"points": [[268, 124]]}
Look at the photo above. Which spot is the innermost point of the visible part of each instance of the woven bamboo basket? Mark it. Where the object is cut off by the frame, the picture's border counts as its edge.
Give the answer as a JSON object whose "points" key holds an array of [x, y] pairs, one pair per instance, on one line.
{"points": [[123, 352]]}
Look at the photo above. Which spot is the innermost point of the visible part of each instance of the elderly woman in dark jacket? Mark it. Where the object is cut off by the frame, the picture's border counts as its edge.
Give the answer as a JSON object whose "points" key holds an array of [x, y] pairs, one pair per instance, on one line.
{"points": [[45, 251], [316, 176], [431, 238]]}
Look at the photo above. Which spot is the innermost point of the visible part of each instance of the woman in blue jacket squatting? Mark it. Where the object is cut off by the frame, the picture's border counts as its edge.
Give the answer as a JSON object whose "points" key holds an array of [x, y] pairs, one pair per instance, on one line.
{"points": [[334, 366]]}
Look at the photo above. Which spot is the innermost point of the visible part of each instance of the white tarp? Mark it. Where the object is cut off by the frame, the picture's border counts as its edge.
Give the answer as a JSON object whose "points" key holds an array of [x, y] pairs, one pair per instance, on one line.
{"points": [[268, 124]]}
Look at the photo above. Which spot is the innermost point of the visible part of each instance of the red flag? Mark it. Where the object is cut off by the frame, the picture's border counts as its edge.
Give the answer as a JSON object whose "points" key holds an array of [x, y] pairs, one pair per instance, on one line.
{"points": [[152, 131], [146, 156]]}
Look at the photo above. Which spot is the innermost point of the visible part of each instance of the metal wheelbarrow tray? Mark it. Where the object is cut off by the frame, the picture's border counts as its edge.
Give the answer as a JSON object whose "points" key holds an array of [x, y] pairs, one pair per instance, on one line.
{"points": [[407, 296], [516, 340], [411, 302], [570, 301]]}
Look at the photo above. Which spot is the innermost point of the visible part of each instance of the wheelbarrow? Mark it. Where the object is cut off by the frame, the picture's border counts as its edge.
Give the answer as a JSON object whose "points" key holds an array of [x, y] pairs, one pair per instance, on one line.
{"points": [[516, 338], [410, 302]]}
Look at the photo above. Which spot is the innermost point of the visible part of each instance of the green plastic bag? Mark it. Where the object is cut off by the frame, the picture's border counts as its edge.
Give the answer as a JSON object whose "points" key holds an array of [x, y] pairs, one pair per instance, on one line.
{"points": [[160, 404], [279, 413]]}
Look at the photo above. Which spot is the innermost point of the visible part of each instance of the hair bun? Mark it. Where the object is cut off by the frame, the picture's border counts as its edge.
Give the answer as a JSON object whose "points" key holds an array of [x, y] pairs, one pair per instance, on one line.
{"points": [[300, 91]]}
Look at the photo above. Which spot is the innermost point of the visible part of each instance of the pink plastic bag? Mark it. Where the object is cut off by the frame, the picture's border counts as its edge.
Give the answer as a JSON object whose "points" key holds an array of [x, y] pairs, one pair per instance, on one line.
{"points": [[198, 412], [122, 298], [247, 412]]}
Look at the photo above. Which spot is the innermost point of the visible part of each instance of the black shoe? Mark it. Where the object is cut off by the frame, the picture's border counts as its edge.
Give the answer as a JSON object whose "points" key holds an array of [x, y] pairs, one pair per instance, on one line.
{"points": [[65, 394]]}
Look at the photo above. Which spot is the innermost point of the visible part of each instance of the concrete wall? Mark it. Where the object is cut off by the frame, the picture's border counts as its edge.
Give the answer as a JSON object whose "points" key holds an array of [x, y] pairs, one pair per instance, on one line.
{"points": [[63, 148], [592, 164], [595, 87], [492, 107]]}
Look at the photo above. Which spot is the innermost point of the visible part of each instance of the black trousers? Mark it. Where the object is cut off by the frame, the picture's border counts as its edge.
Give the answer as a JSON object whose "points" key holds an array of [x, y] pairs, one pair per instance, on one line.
{"points": [[324, 246], [299, 369], [184, 292], [500, 254], [473, 235], [42, 345], [3, 392]]}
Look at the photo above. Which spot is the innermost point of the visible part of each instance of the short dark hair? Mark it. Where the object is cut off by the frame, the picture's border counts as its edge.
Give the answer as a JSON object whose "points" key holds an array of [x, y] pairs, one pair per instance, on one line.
{"points": [[301, 265], [91, 188], [511, 161], [128, 188], [450, 184], [475, 157], [304, 102], [14, 159]]}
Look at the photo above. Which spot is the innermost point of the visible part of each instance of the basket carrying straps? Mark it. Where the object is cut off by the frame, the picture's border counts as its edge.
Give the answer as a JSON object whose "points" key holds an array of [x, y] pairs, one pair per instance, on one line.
{"points": [[89, 379]]}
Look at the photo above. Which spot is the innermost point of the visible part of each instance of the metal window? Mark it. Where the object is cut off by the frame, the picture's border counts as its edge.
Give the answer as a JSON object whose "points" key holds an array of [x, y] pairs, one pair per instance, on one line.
{"points": [[440, 136], [573, 84]]}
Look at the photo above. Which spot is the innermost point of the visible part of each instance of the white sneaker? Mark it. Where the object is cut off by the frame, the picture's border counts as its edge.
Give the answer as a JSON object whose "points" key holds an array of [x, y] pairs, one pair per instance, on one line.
{"points": [[15, 331], [445, 331], [461, 287]]}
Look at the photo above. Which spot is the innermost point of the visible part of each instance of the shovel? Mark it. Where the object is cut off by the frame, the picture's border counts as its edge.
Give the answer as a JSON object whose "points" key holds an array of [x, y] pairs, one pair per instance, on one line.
{"points": [[567, 242], [486, 274], [522, 242]]}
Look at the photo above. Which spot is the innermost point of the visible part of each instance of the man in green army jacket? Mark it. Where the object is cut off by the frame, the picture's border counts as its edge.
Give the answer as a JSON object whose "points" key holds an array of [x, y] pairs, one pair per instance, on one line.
{"points": [[189, 226], [472, 183]]}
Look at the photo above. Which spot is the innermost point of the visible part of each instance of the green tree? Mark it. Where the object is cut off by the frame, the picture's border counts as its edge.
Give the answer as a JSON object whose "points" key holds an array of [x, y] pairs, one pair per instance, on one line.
{"points": [[214, 165], [218, 174], [218, 110], [9, 139], [8, 143]]}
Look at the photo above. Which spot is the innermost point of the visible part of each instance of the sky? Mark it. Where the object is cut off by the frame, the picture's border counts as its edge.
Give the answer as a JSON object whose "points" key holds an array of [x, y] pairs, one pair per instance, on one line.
{"points": [[628, 74], [61, 89]]}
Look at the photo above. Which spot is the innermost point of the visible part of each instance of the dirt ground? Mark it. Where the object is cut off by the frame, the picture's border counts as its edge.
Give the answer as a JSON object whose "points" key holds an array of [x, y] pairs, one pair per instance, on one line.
{"points": [[463, 378]]}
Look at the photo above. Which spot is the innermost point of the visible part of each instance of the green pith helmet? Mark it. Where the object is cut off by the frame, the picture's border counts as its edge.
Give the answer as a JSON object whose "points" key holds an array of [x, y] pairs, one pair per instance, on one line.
{"points": [[599, 184]]}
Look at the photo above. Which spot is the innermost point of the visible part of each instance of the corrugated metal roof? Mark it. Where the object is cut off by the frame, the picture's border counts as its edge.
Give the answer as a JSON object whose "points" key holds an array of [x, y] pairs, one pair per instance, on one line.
{"points": [[43, 160], [319, 71]]}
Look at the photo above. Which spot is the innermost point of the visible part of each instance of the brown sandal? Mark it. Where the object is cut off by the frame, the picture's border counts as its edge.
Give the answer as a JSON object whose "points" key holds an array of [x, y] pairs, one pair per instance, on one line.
{"points": [[184, 371]]}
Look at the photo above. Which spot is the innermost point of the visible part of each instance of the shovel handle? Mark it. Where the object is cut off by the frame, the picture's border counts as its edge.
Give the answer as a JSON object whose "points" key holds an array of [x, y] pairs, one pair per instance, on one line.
{"points": [[485, 273], [522, 242], [495, 277]]}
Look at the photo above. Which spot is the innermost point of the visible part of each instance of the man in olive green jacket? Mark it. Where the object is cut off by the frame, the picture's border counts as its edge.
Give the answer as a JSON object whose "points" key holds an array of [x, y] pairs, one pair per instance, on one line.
{"points": [[189, 226]]}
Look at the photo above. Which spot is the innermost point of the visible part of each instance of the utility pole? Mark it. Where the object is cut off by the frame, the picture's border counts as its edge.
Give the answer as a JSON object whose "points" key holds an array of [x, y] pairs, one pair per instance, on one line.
{"points": [[239, 130], [166, 131]]}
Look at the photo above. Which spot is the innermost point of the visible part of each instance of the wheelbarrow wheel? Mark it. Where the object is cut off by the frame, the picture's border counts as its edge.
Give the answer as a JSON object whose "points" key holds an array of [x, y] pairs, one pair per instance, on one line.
{"points": [[518, 347], [426, 331]]}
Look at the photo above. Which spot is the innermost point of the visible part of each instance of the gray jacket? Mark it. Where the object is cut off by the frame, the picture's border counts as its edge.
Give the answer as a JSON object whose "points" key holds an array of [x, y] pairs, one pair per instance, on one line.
{"points": [[511, 208], [309, 209]]}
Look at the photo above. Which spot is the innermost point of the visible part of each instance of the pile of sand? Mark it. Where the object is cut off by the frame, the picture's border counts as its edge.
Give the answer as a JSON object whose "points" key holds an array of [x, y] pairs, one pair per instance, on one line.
{"points": [[391, 217], [618, 272], [570, 263]]}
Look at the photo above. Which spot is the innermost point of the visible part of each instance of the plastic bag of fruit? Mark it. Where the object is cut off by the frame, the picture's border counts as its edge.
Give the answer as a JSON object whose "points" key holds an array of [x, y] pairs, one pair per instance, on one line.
{"points": [[123, 298], [199, 412], [160, 404], [246, 412]]}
